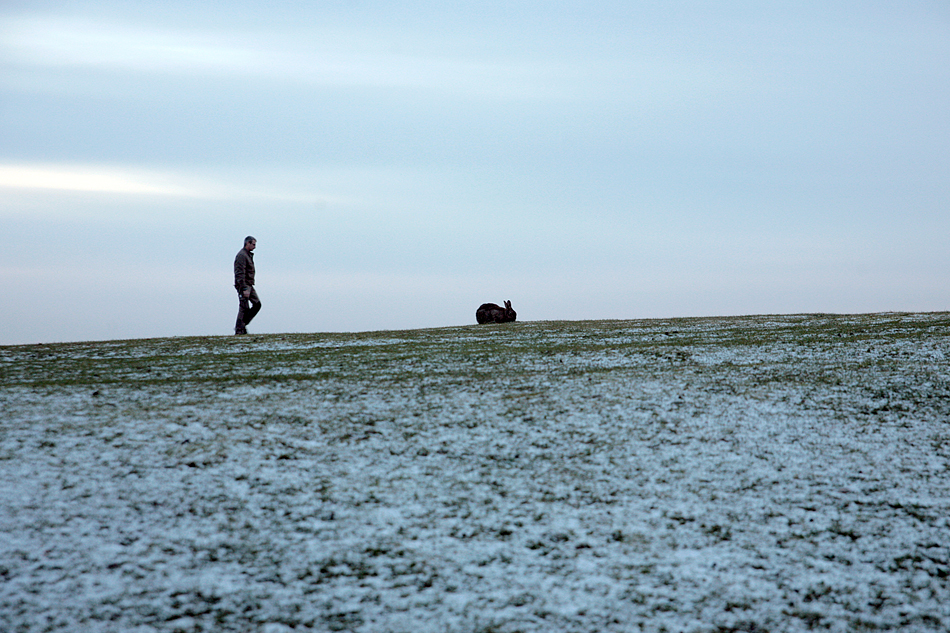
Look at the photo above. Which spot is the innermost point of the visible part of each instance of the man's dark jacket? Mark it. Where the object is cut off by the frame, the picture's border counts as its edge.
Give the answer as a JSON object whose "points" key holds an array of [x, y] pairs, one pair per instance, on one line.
{"points": [[243, 270]]}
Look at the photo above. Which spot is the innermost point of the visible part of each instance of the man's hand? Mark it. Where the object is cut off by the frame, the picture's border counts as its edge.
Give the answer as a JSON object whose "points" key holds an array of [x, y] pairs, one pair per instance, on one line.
{"points": [[247, 293]]}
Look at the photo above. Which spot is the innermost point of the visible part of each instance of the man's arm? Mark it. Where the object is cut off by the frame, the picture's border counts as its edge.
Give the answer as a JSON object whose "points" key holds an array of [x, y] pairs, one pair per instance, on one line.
{"points": [[240, 266]]}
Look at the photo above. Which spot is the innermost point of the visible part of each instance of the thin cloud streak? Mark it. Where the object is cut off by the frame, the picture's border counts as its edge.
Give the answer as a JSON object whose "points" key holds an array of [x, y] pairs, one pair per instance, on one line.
{"points": [[82, 43], [99, 179], [90, 179], [315, 58], [340, 58]]}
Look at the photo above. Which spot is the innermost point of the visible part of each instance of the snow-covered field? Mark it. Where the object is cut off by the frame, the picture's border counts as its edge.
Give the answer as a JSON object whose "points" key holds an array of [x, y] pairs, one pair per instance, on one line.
{"points": [[781, 473]]}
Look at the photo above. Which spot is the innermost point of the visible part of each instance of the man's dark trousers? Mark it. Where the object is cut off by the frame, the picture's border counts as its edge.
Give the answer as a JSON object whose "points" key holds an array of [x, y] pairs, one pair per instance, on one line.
{"points": [[248, 307]]}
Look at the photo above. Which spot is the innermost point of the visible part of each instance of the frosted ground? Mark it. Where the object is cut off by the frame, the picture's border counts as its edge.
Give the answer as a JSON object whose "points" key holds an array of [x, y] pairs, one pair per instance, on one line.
{"points": [[783, 473]]}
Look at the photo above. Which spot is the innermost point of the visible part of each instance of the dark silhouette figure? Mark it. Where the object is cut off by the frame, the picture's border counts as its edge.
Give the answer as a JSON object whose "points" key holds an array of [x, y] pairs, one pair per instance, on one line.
{"points": [[494, 313], [249, 304]]}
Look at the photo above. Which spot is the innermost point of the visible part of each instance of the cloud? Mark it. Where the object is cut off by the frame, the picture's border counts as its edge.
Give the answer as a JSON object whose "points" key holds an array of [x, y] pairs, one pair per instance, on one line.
{"points": [[83, 43], [100, 179], [342, 58], [91, 179], [332, 58]]}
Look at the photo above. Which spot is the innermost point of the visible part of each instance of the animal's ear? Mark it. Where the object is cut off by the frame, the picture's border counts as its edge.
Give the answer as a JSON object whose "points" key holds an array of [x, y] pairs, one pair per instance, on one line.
{"points": [[508, 304]]}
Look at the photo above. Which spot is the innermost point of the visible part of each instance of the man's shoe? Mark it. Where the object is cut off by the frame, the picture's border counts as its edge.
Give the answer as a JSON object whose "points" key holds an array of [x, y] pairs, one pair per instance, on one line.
{"points": [[240, 332]]}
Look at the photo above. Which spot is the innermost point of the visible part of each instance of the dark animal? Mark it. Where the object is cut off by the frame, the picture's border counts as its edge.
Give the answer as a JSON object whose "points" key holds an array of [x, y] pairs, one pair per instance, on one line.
{"points": [[494, 313]]}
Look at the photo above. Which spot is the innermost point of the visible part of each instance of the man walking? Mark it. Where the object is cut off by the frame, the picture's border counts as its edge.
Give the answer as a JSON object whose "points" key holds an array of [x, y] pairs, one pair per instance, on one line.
{"points": [[248, 303]]}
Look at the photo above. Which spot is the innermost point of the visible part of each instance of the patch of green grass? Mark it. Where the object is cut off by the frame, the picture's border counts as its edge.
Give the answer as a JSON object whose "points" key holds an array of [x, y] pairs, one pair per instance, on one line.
{"points": [[796, 349]]}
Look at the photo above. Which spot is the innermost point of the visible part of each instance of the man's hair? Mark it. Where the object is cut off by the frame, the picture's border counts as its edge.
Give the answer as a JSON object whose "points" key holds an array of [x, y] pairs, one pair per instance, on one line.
{"points": [[250, 238]]}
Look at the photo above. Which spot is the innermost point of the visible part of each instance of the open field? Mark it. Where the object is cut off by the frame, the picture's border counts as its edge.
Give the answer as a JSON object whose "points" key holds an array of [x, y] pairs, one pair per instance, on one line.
{"points": [[774, 473]]}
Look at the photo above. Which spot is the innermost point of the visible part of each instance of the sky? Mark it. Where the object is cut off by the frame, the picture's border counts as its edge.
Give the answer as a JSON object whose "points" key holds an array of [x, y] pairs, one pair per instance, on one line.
{"points": [[402, 163]]}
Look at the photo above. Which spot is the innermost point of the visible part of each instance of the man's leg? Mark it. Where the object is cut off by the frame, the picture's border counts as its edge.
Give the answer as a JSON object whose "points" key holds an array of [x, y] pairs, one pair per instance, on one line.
{"points": [[240, 327], [254, 308]]}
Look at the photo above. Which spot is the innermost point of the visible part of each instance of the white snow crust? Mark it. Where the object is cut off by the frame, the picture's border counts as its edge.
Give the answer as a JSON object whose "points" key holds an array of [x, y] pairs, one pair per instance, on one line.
{"points": [[782, 473]]}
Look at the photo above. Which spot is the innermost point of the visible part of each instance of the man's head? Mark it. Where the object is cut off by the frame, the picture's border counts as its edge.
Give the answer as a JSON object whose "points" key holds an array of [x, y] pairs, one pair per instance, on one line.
{"points": [[250, 243]]}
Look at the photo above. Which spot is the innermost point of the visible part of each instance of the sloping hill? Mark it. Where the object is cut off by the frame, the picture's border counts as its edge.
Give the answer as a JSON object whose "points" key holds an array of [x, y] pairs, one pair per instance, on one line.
{"points": [[749, 473]]}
